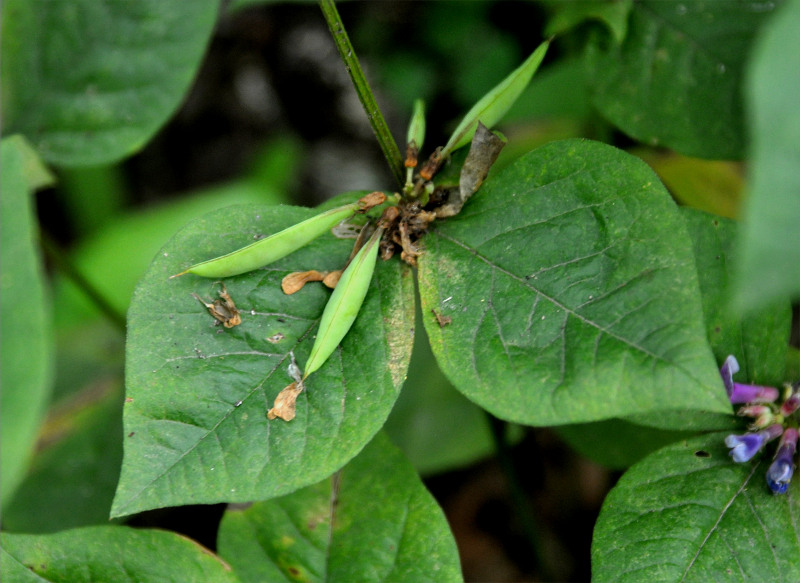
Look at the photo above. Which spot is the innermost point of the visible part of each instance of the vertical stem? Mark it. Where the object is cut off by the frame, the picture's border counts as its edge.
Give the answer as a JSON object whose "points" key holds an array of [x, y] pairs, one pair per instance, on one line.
{"points": [[62, 262], [348, 55], [525, 514]]}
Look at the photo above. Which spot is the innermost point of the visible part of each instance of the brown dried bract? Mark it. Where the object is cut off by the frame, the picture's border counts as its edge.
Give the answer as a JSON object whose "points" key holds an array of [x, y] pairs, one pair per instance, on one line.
{"points": [[332, 278], [223, 309], [442, 320], [405, 226], [412, 153], [371, 200], [286, 402], [432, 165], [482, 154], [294, 282]]}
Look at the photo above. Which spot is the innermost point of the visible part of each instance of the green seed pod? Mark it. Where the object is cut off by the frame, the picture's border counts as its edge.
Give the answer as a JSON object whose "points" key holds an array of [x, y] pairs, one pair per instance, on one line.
{"points": [[345, 302], [416, 128], [493, 106], [283, 243]]}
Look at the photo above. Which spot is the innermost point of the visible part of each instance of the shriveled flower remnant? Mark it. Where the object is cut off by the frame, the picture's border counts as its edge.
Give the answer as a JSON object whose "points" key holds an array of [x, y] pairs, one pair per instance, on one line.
{"points": [[770, 421]]}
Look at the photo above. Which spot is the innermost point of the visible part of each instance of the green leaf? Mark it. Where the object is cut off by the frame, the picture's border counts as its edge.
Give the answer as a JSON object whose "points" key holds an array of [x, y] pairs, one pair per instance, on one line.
{"points": [[435, 426], [132, 239], [492, 107], [109, 553], [568, 15], [91, 82], [689, 513], [197, 395], [676, 79], [770, 241], [26, 343], [758, 340], [350, 527], [572, 290], [74, 474], [617, 443]]}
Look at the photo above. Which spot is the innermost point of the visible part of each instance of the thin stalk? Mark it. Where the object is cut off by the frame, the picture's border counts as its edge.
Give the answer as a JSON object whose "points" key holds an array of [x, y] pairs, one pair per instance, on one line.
{"points": [[63, 263], [376, 120], [525, 513]]}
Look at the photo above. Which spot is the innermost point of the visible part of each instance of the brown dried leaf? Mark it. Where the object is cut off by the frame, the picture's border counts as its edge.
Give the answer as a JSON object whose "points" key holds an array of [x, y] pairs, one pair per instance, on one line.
{"points": [[294, 282], [442, 320], [223, 309], [286, 402]]}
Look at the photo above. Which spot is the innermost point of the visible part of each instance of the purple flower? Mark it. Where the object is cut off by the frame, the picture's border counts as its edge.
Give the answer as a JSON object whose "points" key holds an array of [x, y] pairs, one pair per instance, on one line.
{"points": [[790, 405], [744, 447], [741, 393], [780, 472], [729, 368]]}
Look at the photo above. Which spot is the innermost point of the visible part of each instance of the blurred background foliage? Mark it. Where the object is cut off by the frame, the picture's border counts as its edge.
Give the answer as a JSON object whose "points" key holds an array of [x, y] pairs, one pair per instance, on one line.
{"points": [[271, 118]]}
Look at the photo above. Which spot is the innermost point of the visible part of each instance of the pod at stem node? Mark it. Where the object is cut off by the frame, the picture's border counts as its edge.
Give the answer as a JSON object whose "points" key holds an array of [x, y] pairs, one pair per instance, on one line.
{"points": [[283, 243], [344, 304]]}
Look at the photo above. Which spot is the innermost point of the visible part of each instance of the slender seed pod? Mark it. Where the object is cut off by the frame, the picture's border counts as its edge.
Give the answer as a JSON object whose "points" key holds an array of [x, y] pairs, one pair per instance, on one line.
{"points": [[283, 243], [344, 304], [493, 106]]}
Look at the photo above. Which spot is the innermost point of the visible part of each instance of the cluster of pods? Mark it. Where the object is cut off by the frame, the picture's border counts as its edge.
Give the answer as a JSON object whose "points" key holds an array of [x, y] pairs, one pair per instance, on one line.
{"points": [[345, 301], [403, 221]]}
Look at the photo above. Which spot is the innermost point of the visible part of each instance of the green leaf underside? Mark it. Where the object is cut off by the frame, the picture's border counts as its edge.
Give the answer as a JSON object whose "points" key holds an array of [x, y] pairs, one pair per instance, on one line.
{"points": [[187, 438], [352, 527], [689, 513], [770, 242], [572, 290], [675, 80], [26, 343], [108, 553], [90, 82]]}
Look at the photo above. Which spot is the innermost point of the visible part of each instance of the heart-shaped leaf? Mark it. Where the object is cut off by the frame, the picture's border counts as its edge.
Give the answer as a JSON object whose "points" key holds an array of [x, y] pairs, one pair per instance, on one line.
{"points": [[90, 82], [572, 294], [689, 513], [108, 553], [675, 79], [197, 394], [350, 527]]}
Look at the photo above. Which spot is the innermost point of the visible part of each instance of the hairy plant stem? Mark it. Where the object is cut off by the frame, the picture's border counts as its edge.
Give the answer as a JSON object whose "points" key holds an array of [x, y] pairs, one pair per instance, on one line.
{"points": [[63, 263], [376, 120]]}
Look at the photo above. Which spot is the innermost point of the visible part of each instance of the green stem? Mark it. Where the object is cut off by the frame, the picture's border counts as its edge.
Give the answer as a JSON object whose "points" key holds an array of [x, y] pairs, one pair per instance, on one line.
{"points": [[63, 263], [348, 55], [519, 499]]}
